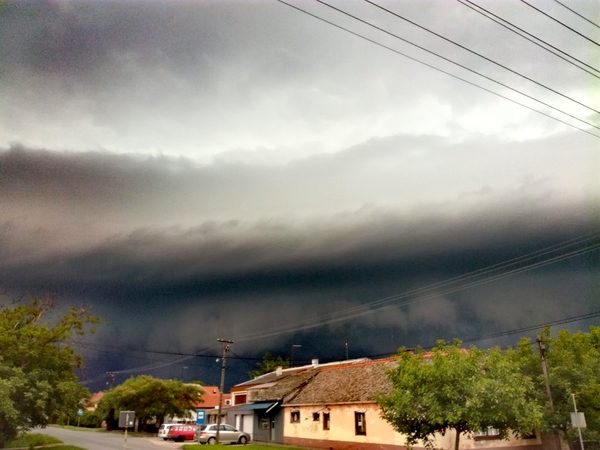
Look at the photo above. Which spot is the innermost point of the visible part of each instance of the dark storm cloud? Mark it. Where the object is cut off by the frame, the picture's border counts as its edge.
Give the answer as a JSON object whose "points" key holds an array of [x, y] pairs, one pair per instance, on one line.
{"points": [[156, 243]]}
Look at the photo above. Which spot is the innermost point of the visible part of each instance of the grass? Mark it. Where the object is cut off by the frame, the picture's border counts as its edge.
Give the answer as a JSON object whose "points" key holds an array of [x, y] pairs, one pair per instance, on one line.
{"points": [[64, 447], [76, 428], [32, 439], [37, 440], [250, 446]]}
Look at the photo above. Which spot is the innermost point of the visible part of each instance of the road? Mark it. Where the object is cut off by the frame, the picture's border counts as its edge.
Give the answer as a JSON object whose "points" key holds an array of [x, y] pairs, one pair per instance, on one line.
{"points": [[98, 440]]}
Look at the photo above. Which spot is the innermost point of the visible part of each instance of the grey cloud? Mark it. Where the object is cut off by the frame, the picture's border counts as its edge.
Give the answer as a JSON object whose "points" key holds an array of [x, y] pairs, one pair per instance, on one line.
{"points": [[213, 77]]}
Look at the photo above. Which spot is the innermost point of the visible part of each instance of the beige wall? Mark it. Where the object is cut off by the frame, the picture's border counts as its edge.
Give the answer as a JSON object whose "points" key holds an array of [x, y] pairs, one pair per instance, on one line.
{"points": [[378, 430]]}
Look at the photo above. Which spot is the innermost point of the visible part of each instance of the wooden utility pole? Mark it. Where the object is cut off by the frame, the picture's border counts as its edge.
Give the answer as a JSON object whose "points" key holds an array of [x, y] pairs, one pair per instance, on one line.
{"points": [[226, 347], [542, 349]]}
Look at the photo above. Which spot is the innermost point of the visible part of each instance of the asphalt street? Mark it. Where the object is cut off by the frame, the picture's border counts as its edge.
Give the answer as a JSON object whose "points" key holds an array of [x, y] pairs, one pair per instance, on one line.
{"points": [[99, 440]]}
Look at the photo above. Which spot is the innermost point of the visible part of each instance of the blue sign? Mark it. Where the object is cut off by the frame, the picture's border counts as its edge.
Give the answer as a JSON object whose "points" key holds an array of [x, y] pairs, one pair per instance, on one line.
{"points": [[200, 416], [80, 412]]}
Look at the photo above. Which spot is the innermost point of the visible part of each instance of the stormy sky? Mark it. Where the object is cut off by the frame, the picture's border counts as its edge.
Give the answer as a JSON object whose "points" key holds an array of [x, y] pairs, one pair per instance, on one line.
{"points": [[196, 170]]}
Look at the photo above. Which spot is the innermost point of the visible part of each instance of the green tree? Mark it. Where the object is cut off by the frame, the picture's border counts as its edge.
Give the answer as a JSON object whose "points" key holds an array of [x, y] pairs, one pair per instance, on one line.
{"points": [[573, 361], [37, 380], [150, 398], [465, 390], [268, 364]]}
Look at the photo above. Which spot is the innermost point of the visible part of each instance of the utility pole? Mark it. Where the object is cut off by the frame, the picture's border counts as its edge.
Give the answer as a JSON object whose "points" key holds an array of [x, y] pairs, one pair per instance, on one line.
{"points": [[226, 347], [542, 349], [292, 353], [111, 380]]}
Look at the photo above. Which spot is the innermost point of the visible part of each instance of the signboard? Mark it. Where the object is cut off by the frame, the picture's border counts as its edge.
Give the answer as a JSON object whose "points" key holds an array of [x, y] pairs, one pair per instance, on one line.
{"points": [[200, 416], [80, 412], [578, 420], [126, 419]]}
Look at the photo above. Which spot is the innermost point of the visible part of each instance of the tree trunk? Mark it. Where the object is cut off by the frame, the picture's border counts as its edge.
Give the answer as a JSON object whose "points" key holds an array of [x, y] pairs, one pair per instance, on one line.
{"points": [[457, 441]]}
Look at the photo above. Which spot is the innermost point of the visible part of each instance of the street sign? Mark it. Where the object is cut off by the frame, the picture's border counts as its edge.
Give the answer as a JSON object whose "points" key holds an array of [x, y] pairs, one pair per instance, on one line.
{"points": [[578, 420], [200, 416], [80, 412], [126, 419]]}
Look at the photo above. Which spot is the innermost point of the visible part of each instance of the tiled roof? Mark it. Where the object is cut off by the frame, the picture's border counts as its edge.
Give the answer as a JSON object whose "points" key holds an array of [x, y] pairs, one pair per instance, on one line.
{"points": [[359, 382], [211, 397], [285, 386], [274, 376]]}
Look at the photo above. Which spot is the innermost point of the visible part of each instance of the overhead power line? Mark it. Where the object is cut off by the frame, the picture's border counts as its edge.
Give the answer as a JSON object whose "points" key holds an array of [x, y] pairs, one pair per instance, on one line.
{"points": [[538, 326], [246, 359], [462, 66], [498, 271], [561, 23], [577, 14], [480, 55], [419, 295], [532, 38], [431, 66]]}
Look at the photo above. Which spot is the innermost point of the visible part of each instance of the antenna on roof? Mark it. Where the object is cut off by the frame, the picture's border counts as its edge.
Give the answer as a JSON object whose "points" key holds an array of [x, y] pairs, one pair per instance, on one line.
{"points": [[346, 347]]}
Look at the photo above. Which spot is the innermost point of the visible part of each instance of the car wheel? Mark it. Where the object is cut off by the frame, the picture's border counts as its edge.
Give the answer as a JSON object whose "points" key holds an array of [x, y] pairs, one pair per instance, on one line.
{"points": [[179, 439], [211, 441], [242, 440]]}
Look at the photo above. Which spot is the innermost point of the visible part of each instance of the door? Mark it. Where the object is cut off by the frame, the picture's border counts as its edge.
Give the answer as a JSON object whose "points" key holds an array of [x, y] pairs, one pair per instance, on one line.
{"points": [[247, 422]]}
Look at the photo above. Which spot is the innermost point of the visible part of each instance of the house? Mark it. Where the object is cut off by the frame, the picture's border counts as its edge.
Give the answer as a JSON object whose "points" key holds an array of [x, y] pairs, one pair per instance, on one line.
{"points": [[94, 400], [336, 409], [209, 403], [260, 413]]}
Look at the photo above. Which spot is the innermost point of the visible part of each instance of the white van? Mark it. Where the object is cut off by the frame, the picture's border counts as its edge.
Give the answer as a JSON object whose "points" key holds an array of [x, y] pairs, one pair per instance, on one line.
{"points": [[163, 431]]}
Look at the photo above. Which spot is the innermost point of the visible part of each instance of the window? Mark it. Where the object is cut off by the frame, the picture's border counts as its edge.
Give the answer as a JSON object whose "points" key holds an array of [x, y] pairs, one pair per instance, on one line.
{"points": [[295, 417], [326, 421], [488, 433], [316, 417], [239, 399], [360, 425]]}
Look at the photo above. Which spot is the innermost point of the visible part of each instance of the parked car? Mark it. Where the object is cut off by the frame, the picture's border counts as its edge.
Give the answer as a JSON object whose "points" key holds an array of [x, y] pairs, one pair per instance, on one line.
{"points": [[177, 432], [207, 434]]}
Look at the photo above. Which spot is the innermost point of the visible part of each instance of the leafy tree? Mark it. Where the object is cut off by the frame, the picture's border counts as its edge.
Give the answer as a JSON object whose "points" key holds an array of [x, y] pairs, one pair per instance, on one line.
{"points": [[268, 364], [150, 398], [464, 390], [37, 380], [573, 361]]}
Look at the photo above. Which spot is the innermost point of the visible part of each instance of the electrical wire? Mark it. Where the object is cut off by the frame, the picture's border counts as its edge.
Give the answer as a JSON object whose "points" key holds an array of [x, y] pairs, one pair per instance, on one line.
{"points": [[462, 66], [507, 24], [537, 326], [409, 298], [431, 66], [480, 55], [577, 14], [561, 23]]}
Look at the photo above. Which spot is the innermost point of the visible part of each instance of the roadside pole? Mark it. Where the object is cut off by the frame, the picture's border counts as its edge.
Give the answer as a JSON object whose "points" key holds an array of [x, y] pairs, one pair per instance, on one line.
{"points": [[542, 349], [578, 422], [126, 418], [226, 347], [126, 423]]}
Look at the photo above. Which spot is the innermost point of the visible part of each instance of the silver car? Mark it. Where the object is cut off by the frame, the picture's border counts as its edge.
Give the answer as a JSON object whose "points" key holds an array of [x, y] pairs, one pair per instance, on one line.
{"points": [[207, 434]]}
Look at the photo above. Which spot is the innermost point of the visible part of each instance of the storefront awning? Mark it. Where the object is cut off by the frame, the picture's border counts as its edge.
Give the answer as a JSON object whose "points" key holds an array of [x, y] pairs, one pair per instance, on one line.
{"points": [[268, 406]]}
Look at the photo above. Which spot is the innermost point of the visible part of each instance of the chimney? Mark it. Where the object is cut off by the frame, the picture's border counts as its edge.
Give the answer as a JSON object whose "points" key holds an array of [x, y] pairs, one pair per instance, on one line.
{"points": [[315, 363]]}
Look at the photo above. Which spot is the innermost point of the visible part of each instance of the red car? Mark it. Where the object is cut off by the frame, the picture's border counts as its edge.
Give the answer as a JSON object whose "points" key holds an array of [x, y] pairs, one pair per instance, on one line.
{"points": [[177, 432]]}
